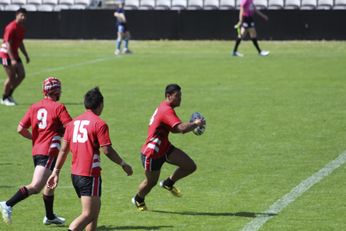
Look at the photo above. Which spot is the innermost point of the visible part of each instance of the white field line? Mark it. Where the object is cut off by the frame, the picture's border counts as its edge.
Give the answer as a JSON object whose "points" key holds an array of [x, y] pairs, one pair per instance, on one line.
{"points": [[72, 65], [296, 192], [61, 68]]}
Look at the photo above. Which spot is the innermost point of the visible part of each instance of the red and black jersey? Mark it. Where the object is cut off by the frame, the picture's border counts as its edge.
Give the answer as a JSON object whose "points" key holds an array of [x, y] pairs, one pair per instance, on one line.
{"points": [[47, 119], [161, 123]]}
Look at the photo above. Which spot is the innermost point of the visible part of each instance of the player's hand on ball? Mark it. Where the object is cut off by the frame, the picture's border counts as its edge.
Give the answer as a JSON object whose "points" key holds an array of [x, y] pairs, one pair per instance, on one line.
{"points": [[200, 121]]}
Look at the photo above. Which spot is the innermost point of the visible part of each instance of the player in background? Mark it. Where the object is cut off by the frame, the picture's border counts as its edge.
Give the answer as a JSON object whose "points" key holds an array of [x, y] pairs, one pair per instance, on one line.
{"points": [[122, 32], [84, 136], [157, 149], [47, 119], [9, 57], [247, 25]]}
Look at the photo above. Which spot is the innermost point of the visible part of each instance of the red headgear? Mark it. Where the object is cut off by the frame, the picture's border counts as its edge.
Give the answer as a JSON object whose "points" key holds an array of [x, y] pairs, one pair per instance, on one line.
{"points": [[51, 86]]}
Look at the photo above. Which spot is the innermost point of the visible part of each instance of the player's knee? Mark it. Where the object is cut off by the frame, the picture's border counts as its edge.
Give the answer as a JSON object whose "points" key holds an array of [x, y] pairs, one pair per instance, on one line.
{"points": [[151, 184], [89, 215], [192, 167], [34, 189]]}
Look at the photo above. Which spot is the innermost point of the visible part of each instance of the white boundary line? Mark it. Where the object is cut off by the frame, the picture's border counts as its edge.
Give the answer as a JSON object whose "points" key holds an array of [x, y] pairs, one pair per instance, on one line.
{"points": [[73, 65], [296, 192], [70, 66]]}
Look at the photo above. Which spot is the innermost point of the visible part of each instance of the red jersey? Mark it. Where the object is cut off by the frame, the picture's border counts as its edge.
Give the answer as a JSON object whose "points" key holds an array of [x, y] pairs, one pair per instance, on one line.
{"points": [[46, 119], [161, 123], [86, 134], [14, 33]]}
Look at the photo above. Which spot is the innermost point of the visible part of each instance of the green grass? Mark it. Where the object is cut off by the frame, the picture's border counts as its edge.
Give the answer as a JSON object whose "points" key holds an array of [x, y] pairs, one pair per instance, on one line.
{"points": [[272, 123]]}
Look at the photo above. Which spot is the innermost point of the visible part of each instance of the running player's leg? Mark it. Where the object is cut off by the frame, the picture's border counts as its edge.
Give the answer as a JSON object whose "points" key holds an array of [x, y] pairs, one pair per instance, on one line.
{"points": [[152, 170], [151, 179], [186, 166]]}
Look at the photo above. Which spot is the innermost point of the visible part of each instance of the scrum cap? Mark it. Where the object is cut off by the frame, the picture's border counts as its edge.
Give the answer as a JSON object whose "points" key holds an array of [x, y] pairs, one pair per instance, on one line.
{"points": [[51, 86]]}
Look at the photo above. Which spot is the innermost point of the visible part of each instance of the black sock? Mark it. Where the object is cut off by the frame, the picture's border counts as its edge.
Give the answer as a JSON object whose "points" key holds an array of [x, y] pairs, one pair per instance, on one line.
{"points": [[237, 42], [48, 203], [20, 195], [4, 97], [169, 182], [10, 93], [255, 43], [139, 199]]}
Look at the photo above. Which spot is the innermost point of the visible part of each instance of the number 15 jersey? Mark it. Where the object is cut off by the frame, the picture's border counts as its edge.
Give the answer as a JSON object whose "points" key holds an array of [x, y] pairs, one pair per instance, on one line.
{"points": [[85, 135], [47, 119]]}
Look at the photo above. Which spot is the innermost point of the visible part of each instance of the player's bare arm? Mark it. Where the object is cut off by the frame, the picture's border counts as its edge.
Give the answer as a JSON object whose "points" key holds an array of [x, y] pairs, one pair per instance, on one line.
{"points": [[120, 16], [25, 53], [240, 20], [53, 180], [188, 126], [114, 156], [24, 132], [10, 53]]}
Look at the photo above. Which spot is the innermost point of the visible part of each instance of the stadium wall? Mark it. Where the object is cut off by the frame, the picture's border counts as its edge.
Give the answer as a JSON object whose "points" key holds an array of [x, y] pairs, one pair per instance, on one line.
{"points": [[187, 25]]}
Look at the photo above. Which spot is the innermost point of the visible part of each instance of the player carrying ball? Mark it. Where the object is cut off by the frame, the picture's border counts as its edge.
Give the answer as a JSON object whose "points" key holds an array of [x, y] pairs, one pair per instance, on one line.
{"points": [[157, 149]]}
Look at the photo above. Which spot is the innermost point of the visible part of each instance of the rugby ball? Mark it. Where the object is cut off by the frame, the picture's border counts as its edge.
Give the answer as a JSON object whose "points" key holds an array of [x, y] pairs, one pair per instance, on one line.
{"points": [[200, 129]]}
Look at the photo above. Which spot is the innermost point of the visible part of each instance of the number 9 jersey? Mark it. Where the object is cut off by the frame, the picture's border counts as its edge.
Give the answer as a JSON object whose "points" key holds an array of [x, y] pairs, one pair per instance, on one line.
{"points": [[47, 119]]}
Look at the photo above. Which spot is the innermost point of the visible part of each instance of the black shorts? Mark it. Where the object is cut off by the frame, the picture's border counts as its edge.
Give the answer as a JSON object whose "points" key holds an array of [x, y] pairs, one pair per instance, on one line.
{"points": [[87, 185], [7, 62], [45, 161], [248, 22], [151, 164]]}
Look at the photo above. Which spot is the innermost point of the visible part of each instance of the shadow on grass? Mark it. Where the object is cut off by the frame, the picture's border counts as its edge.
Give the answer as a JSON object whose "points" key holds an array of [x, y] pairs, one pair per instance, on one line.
{"points": [[139, 227], [237, 214]]}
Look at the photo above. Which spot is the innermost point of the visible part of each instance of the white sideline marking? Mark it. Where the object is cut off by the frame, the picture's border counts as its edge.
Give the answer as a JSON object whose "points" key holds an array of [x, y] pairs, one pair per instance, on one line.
{"points": [[297, 191], [73, 65]]}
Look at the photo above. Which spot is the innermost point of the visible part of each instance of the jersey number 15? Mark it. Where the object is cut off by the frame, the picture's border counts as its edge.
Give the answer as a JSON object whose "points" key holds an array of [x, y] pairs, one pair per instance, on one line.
{"points": [[80, 133]]}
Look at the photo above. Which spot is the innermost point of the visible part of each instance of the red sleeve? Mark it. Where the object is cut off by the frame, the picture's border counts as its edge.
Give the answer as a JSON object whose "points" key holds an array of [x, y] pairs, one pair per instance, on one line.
{"points": [[26, 120], [170, 118], [67, 134], [9, 32], [103, 135], [64, 116]]}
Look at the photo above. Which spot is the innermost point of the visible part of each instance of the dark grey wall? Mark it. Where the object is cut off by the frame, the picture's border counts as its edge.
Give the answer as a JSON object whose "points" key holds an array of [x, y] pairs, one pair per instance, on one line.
{"points": [[218, 24]]}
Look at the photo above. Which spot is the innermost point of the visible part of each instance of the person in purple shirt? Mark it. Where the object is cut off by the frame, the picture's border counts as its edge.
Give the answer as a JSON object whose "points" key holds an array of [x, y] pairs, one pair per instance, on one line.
{"points": [[246, 24]]}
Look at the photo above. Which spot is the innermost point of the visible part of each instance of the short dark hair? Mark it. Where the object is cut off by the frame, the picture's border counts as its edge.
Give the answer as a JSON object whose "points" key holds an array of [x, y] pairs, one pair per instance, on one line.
{"points": [[21, 10], [171, 88], [93, 99]]}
